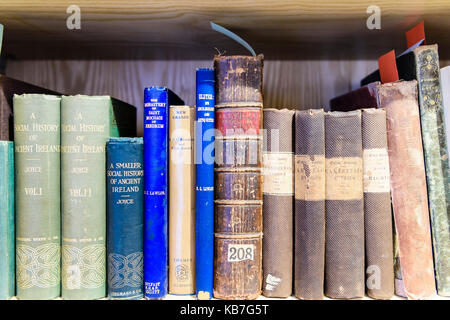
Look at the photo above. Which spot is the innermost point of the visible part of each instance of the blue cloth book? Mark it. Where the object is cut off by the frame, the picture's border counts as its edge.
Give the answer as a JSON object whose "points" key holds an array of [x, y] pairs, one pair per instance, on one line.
{"points": [[7, 253], [156, 119], [204, 183], [125, 217]]}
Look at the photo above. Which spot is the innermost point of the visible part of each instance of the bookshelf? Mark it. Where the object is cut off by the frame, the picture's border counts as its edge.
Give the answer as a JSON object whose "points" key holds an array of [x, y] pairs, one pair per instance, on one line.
{"points": [[313, 50]]}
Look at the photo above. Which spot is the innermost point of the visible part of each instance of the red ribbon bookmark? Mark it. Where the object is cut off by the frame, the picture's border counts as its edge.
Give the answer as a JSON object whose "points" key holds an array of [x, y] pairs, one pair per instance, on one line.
{"points": [[388, 67], [415, 34]]}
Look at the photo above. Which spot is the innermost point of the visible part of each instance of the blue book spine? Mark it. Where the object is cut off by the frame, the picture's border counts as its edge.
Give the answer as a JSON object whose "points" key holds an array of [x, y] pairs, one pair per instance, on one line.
{"points": [[205, 183], [156, 115], [7, 253], [125, 220]]}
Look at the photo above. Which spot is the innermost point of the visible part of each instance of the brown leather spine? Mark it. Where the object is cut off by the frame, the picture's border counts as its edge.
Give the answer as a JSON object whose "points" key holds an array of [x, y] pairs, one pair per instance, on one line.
{"points": [[278, 203], [408, 188], [239, 80], [238, 178]]}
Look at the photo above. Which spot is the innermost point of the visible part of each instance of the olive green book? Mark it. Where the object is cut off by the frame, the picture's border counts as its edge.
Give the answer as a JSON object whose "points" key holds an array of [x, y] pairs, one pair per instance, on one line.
{"points": [[85, 128], [37, 173]]}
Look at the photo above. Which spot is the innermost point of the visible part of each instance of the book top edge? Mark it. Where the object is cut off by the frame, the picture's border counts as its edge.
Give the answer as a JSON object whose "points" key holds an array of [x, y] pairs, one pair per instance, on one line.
{"points": [[159, 88], [373, 110], [279, 110], [342, 114], [82, 96], [137, 140], [311, 111], [204, 70], [6, 142], [34, 96], [257, 57], [244, 104], [180, 106], [399, 83], [426, 47]]}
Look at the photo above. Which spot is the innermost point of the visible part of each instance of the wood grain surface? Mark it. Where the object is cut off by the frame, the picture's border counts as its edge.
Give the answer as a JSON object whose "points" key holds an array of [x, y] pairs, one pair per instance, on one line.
{"points": [[296, 28], [300, 84]]}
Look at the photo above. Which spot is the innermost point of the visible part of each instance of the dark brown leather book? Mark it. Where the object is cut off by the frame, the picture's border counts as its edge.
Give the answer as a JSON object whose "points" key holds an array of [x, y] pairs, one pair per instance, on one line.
{"points": [[364, 97], [278, 202], [344, 249], [239, 80], [377, 206], [238, 177], [409, 190], [309, 204]]}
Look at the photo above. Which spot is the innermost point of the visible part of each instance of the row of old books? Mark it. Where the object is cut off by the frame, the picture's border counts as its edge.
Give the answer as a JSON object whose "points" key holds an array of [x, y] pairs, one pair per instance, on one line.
{"points": [[53, 200], [419, 165], [181, 211]]}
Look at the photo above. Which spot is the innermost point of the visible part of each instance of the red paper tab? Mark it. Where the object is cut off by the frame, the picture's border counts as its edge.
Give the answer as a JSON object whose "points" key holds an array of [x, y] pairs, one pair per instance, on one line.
{"points": [[388, 67], [415, 34]]}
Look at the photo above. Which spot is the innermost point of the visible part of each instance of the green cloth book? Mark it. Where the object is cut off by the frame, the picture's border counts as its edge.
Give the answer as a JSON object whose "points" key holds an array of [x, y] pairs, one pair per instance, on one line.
{"points": [[37, 172], [7, 220], [436, 160], [85, 128]]}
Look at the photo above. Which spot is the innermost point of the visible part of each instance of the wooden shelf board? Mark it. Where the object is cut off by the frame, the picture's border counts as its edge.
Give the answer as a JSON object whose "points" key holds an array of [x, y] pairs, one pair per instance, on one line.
{"points": [[289, 29]]}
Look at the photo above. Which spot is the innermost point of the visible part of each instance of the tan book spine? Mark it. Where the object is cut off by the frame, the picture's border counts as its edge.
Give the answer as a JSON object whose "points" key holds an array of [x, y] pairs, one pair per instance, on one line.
{"points": [[181, 200]]}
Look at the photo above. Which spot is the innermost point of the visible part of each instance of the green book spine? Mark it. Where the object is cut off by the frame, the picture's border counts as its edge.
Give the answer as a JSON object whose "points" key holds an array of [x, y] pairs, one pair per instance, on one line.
{"points": [[85, 127], [436, 160], [37, 160], [6, 220]]}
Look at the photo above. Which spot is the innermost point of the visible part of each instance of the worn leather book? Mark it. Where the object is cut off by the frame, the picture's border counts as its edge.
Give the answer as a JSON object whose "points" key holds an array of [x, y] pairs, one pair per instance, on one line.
{"points": [[204, 202], [422, 64], [125, 209], [239, 80], [364, 97], [377, 206], [309, 233], [408, 186], [238, 177], [7, 250], [156, 189], [37, 133], [278, 202], [344, 250], [85, 129], [181, 200]]}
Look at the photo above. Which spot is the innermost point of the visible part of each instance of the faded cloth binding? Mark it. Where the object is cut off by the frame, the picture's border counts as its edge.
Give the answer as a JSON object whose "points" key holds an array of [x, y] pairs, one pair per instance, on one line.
{"points": [[309, 204], [278, 203], [344, 255], [377, 206]]}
